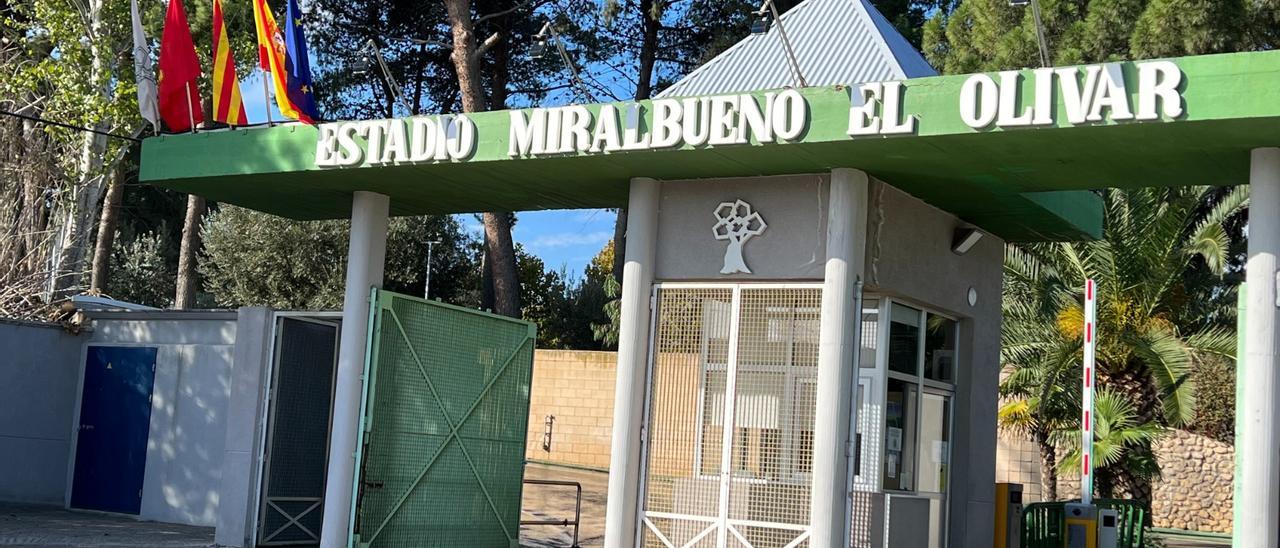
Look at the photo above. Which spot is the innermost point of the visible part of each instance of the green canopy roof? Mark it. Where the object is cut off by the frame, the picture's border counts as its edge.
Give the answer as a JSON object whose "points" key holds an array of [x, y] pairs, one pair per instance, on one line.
{"points": [[1023, 184]]}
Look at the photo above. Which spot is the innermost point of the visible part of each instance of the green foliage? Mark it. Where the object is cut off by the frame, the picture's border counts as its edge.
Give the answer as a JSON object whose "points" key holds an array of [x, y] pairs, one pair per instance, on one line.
{"points": [[140, 272], [253, 258], [565, 309], [1215, 379], [985, 35], [606, 332], [1159, 269], [1146, 267], [1121, 446]]}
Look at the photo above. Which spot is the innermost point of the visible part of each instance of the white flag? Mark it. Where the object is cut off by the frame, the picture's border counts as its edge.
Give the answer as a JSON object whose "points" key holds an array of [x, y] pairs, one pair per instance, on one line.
{"points": [[142, 69]]}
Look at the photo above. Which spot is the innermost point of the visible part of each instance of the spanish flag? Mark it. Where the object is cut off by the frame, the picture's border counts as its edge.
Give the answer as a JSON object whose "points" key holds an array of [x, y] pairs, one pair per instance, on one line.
{"points": [[273, 58], [227, 105]]}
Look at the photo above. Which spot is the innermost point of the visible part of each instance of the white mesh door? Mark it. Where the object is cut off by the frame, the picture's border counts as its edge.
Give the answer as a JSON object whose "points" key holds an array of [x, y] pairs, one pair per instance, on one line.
{"points": [[731, 471]]}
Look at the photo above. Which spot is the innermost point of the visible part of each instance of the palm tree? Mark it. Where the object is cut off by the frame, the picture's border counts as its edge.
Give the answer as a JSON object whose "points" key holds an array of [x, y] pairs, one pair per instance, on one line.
{"points": [[1040, 398], [1162, 303], [1120, 443]]}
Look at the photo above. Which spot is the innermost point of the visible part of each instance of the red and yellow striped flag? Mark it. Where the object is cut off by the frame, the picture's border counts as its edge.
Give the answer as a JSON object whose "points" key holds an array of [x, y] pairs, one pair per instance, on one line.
{"points": [[228, 108]]}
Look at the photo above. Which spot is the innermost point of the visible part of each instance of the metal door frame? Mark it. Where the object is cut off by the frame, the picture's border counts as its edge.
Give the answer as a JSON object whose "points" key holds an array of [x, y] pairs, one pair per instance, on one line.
{"points": [[880, 376], [267, 417], [721, 525]]}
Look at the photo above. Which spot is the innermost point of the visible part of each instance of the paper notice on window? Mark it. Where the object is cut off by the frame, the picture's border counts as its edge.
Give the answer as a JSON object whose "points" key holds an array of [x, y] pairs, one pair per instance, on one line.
{"points": [[939, 451], [891, 466], [893, 439]]}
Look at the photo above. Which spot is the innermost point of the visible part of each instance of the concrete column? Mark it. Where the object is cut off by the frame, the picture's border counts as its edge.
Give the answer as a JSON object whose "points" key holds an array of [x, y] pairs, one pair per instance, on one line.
{"points": [[633, 362], [1260, 442], [250, 356], [365, 261], [846, 237]]}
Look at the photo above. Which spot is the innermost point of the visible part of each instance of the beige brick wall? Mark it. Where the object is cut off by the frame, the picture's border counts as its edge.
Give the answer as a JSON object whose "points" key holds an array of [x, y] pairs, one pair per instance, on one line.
{"points": [[576, 387], [1018, 461]]}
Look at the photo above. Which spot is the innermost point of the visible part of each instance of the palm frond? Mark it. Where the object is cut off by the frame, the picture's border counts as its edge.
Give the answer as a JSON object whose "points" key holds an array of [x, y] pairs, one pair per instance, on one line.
{"points": [[1218, 341], [1168, 359]]}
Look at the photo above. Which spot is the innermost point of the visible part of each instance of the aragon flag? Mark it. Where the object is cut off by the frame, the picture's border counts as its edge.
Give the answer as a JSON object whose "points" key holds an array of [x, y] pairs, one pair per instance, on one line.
{"points": [[179, 69], [228, 107], [273, 58]]}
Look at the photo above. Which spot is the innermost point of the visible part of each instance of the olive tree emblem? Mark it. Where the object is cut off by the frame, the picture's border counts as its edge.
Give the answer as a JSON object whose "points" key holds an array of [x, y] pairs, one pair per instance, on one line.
{"points": [[737, 223]]}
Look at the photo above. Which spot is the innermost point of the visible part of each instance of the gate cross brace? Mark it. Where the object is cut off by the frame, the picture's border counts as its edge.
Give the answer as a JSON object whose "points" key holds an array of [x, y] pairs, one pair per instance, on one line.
{"points": [[293, 520], [453, 431]]}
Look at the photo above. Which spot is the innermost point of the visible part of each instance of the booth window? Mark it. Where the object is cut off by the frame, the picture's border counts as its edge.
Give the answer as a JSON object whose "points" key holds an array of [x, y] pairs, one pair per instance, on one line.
{"points": [[940, 349], [921, 369]]}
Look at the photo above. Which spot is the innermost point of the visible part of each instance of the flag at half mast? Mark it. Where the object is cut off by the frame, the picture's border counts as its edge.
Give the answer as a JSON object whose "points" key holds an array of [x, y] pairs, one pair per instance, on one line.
{"points": [[228, 107], [273, 57]]}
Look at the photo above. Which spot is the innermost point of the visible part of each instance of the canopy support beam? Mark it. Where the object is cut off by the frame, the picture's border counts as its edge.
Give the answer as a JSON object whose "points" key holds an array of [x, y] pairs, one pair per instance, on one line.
{"points": [[365, 262]]}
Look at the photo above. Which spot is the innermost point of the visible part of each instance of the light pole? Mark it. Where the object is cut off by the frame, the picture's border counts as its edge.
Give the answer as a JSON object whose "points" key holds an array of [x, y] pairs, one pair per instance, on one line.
{"points": [[426, 290], [1035, 12]]}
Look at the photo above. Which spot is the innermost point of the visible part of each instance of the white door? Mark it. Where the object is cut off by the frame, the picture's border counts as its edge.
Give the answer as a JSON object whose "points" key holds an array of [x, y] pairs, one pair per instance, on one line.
{"points": [[730, 471]]}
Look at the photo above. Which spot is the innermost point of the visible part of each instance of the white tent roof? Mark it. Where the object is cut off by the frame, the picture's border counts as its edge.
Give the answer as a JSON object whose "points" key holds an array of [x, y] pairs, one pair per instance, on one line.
{"points": [[835, 41]]}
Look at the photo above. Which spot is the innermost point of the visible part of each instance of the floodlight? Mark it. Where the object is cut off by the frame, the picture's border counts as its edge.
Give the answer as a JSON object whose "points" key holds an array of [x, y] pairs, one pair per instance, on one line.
{"points": [[538, 49], [767, 14], [760, 25], [363, 65]]}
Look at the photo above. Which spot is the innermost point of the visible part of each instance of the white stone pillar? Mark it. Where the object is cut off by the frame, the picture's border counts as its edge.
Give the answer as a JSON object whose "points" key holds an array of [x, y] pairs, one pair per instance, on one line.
{"points": [[1260, 442], [365, 261], [633, 362], [846, 237]]}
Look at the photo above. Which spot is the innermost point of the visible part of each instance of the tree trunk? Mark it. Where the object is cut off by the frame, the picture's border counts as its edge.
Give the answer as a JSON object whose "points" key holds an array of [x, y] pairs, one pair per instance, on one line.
{"points": [[80, 211], [106, 232], [1135, 381], [1048, 467], [497, 226], [644, 89], [187, 278]]}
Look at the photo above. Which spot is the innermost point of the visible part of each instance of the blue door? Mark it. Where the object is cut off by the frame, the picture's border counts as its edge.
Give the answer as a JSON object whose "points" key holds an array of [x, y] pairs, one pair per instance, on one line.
{"points": [[115, 417]]}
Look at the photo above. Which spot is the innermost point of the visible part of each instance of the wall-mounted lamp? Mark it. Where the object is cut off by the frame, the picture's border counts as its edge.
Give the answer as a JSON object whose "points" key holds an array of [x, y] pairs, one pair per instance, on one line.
{"points": [[547, 425], [964, 240]]}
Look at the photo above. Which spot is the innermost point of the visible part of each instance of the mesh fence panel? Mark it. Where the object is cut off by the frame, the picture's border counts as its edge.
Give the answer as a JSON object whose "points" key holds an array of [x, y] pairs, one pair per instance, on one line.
{"points": [[691, 346], [292, 508], [445, 421], [759, 345]]}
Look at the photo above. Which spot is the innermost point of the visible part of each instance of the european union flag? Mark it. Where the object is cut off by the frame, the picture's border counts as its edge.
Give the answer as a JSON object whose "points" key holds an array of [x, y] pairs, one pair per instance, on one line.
{"points": [[298, 66]]}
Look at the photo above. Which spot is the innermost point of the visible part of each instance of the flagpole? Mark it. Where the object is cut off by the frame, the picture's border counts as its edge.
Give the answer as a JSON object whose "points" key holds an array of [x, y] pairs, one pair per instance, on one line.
{"points": [[191, 114], [266, 94]]}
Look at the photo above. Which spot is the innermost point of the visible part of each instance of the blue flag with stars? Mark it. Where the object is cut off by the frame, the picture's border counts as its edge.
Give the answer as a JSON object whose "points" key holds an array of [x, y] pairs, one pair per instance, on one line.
{"points": [[298, 65]]}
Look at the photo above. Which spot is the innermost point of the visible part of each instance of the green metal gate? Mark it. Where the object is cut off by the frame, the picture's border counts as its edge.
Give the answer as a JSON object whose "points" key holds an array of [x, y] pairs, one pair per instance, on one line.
{"points": [[1044, 524], [444, 419]]}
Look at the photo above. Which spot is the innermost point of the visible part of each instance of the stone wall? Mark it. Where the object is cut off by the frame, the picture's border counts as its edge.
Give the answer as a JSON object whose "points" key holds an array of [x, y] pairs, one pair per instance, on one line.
{"points": [[1194, 492]]}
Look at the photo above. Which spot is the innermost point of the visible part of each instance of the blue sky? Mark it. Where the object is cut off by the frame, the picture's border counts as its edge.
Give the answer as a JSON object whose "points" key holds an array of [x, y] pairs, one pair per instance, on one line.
{"points": [[563, 239]]}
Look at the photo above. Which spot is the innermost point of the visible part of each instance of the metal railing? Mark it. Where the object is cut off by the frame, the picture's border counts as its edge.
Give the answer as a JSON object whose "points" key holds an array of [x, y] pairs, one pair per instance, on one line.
{"points": [[577, 510], [1044, 523]]}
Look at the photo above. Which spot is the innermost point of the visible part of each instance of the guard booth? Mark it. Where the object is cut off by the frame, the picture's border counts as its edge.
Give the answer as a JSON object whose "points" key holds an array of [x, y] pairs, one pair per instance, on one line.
{"points": [[733, 382], [810, 313]]}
